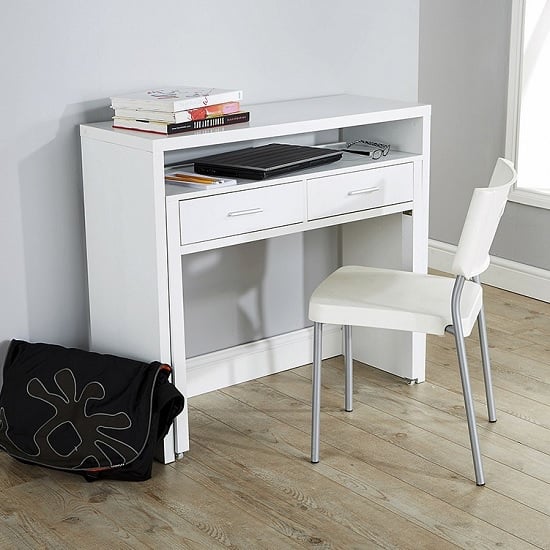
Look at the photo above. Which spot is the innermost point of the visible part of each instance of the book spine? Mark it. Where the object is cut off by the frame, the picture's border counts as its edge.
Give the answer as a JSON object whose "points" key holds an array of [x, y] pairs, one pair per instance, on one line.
{"points": [[172, 106], [223, 120], [203, 101], [181, 116], [214, 110]]}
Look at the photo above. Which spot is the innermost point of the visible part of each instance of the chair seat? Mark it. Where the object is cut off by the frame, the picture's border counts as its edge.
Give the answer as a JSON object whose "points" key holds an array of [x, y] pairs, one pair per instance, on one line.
{"points": [[391, 299]]}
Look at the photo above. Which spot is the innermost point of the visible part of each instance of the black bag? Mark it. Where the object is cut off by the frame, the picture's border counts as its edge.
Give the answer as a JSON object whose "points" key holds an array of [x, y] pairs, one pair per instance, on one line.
{"points": [[98, 415]]}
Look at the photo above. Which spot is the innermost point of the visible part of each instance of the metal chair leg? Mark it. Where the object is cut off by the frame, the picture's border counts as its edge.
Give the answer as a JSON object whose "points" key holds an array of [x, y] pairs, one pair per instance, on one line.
{"points": [[465, 378], [316, 391], [486, 361], [348, 359]]}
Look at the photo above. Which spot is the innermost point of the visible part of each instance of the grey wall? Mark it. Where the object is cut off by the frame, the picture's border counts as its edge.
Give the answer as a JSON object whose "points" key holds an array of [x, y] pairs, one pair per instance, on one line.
{"points": [[60, 62], [463, 73]]}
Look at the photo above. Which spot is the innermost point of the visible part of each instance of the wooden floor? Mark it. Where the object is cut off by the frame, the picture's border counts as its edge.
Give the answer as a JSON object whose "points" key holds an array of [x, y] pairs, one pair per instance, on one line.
{"points": [[395, 473]]}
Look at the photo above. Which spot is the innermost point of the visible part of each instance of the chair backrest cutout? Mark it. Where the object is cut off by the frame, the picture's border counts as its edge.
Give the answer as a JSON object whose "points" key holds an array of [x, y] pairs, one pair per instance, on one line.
{"points": [[486, 209]]}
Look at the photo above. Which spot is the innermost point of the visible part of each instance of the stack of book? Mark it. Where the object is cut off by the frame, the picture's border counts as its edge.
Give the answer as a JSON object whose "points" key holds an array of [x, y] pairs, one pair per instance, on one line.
{"points": [[178, 109]]}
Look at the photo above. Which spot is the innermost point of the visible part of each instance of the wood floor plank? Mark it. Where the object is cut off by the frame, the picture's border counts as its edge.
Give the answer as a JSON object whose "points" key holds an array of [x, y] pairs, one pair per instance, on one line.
{"points": [[250, 510], [539, 352], [511, 371], [447, 455], [451, 402], [294, 514], [318, 501], [401, 401], [508, 425], [525, 399], [14, 537], [216, 504], [113, 515], [515, 306], [14, 473], [52, 518], [364, 447], [144, 510]]}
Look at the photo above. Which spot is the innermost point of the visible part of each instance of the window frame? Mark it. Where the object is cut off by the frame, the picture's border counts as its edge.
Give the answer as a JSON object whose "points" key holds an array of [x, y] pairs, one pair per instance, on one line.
{"points": [[523, 196]]}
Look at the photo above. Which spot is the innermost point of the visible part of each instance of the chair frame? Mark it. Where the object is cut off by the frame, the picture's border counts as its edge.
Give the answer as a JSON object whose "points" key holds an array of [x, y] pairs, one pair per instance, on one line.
{"points": [[456, 330]]}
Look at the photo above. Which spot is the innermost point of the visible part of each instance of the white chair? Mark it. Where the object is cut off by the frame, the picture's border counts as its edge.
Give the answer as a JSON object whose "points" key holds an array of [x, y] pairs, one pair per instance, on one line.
{"points": [[401, 300]]}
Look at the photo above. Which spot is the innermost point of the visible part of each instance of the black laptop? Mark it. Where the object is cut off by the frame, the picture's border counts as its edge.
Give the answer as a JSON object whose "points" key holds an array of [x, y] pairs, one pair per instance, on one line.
{"points": [[265, 161]]}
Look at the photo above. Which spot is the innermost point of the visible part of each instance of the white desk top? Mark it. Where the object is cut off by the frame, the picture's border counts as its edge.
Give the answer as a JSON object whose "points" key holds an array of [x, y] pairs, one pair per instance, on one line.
{"points": [[269, 120]]}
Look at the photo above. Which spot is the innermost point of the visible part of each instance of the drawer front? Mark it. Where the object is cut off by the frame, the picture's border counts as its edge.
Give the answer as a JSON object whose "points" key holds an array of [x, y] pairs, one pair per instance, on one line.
{"points": [[239, 212], [354, 191]]}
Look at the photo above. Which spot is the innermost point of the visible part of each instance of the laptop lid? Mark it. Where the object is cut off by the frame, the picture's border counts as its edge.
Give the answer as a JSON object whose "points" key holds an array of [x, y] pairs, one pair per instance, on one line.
{"points": [[265, 161]]}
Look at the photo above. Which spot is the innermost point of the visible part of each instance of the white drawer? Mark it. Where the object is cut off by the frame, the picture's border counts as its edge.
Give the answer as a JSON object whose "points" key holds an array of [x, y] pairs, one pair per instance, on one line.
{"points": [[239, 212], [354, 191]]}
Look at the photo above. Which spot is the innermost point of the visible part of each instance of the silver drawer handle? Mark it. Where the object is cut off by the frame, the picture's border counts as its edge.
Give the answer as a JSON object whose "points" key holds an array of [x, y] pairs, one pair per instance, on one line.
{"points": [[245, 212], [362, 191]]}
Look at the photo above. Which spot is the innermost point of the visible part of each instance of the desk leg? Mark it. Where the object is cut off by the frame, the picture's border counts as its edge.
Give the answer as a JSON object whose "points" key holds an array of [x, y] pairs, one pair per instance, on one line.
{"points": [[177, 332], [168, 452]]}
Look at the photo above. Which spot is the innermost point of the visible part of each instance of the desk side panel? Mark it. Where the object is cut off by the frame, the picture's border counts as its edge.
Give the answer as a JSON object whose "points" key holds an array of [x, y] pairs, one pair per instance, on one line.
{"points": [[394, 242], [126, 252]]}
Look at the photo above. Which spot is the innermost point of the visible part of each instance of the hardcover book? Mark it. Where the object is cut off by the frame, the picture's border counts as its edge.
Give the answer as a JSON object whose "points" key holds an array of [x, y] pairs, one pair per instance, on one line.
{"points": [[178, 127], [200, 113], [174, 99]]}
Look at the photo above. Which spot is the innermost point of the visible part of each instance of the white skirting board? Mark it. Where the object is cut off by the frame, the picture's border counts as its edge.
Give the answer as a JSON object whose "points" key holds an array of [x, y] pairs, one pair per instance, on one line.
{"points": [[506, 274], [249, 361]]}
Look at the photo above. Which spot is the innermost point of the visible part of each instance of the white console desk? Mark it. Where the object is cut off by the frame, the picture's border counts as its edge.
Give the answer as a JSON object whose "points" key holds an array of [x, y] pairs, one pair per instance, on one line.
{"points": [[138, 231]]}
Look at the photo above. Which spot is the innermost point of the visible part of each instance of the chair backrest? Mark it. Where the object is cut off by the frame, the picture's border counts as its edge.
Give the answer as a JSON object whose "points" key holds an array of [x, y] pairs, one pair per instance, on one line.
{"points": [[486, 208]]}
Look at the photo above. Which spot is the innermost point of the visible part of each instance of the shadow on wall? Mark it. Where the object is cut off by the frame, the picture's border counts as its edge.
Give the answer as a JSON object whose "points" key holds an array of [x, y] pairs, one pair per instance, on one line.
{"points": [[243, 293], [50, 185], [224, 297]]}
